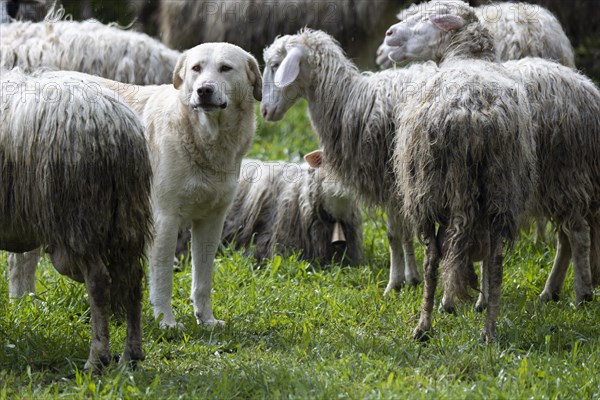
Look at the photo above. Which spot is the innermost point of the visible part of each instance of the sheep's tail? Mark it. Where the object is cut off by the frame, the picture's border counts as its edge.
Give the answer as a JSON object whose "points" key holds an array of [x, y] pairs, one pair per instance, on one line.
{"points": [[458, 274]]}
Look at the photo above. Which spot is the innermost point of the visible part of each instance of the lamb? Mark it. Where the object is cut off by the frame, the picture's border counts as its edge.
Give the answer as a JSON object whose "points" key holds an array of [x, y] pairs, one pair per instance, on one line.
{"points": [[356, 114], [75, 177], [291, 207], [88, 46], [567, 135], [519, 30], [254, 24]]}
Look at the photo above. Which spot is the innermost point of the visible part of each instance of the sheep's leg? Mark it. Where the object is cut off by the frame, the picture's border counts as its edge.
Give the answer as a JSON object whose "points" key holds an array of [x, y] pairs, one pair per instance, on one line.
{"points": [[595, 251], [432, 258], [22, 268], [133, 342], [482, 299], [411, 272], [539, 235], [206, 237], [495, 288], [403, 265], [161, 268], [578, 233], [97, 283], [557, 276]]}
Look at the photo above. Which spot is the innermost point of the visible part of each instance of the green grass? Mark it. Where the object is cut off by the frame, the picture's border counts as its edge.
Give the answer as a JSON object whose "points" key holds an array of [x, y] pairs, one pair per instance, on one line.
{"points": [[296, 330]]}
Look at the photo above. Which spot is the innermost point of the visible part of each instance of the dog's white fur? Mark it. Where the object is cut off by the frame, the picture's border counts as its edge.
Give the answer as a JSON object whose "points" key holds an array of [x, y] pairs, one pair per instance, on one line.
{"points": [[197, 142]]}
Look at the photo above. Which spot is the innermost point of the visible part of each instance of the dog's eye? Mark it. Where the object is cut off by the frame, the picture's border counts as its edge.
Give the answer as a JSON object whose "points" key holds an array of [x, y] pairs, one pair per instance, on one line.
{"points": [[197, 68], [225, 68]]}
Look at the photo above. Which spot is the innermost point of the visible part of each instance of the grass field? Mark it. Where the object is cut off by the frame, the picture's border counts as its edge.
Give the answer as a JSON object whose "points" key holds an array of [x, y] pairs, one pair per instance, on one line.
{"points": [[297, 330]]}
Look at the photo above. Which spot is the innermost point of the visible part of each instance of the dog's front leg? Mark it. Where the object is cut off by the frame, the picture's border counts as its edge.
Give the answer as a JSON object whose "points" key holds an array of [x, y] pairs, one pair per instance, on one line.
{"points": [[206, 237], [161, 267]]}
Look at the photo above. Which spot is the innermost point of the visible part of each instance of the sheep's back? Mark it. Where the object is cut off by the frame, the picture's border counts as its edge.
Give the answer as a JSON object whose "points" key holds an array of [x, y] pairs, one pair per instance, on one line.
{"points": [[465, 150], [90, 47], [568, 136], [75, 166]]}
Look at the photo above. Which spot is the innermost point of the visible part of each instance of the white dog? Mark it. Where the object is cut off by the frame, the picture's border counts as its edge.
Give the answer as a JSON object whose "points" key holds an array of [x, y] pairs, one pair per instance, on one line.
{"points": [[198, 131]]}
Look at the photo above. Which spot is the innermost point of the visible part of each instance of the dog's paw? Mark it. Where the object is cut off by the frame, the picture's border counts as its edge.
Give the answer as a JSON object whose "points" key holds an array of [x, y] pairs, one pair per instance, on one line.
{"points": [[170, 325], [211, 323]]}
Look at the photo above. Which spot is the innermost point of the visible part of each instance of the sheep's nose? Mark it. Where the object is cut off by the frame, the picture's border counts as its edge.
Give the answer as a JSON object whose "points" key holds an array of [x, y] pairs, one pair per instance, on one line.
{"points": [[389, 32], [206, 90]]}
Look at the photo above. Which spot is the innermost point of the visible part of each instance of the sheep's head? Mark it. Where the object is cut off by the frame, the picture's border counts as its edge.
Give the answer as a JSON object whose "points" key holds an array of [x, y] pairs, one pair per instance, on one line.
{"points": [[285, 78], [425, 30]]}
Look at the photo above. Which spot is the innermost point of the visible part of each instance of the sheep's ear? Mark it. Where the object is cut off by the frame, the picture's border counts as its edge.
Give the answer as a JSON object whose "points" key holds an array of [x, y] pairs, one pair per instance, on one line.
{"points": [[179, 72], [255, 78], [447, 22], [289, 69], [314, 158]]}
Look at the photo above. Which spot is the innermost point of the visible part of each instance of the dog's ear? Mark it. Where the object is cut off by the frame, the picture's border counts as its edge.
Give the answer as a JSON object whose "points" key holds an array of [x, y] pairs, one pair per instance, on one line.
{"points": [[255, 78], [179, 71]]}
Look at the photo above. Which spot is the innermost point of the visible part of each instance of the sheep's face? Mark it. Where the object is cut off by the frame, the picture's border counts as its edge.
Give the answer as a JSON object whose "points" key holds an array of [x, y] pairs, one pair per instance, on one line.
{"points": [[285, 81], [213, 75], [421, 36], [387, 55]]}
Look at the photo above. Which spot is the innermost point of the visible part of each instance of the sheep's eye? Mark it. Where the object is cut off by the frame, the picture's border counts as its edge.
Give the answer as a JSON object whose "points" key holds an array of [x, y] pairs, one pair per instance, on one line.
{"points": [[225, 68], [274, 67], [197, 68]]}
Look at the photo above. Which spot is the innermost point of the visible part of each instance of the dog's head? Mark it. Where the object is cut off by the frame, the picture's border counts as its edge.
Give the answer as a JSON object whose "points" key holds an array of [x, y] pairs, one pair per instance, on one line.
{"points": [[212, 76]]}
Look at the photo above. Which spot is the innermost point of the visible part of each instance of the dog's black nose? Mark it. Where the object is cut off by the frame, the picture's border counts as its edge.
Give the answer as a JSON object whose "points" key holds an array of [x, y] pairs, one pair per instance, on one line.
{"points": [[205, 91]]}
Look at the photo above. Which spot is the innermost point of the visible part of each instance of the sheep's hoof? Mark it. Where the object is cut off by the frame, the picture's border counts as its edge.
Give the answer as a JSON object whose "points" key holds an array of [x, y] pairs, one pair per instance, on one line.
{"points": [[450, 309], [488, 335], [421, 335], [547, 296], [585, 298], [96, 366], [392, 287], [415, 281], [480, 307], [130, 358]]}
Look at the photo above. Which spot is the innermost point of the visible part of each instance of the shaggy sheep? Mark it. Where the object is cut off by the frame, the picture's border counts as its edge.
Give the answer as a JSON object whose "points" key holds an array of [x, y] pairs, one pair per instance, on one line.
{"points": [[353, 119], [254, 24], [88, 46], [567, 135], [75, 177], [291, 207], [24, 10], [362, 115], [519, 30], [465, 162]]}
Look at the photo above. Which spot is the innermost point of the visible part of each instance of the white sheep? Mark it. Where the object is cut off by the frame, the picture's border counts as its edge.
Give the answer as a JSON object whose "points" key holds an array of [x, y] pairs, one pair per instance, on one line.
{"points": [[88, 46], [353, 116], [75, 178], [567, 116], [253, 24], [519, 30], [357, 118], [290, 207]]}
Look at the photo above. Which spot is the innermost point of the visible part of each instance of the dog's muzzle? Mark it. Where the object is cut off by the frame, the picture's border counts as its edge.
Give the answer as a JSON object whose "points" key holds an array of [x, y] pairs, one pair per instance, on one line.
{"points": [[208, 98]]}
